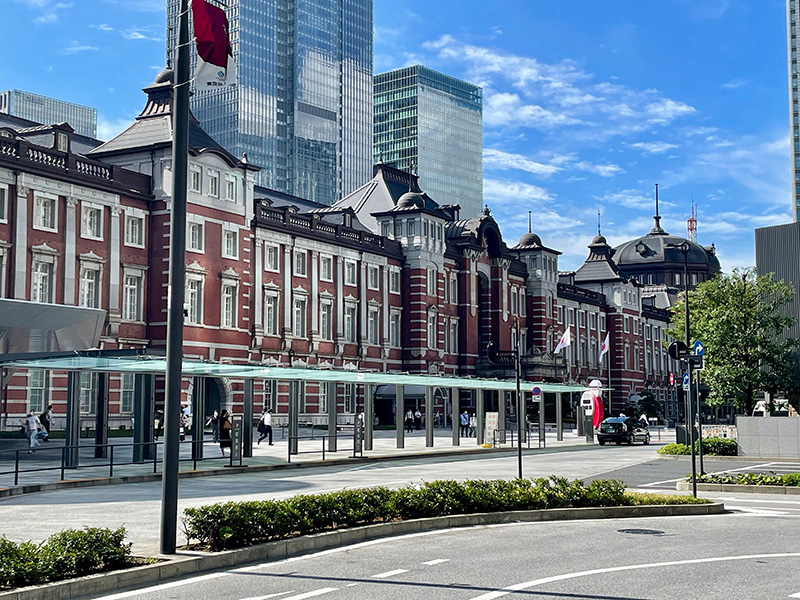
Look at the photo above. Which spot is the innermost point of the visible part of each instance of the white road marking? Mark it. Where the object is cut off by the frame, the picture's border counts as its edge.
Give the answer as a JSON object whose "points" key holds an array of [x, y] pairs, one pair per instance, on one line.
{"points": [[529, 584], [390, 573], [279, 594], [757, 500], [436, 561], [758, 511], [797, 595], [163, 586], [318, 592], [351, 585]]}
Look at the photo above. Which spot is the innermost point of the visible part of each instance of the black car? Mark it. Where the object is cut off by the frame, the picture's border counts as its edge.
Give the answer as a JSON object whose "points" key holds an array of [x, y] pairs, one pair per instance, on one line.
{"points": [[622, 429]]}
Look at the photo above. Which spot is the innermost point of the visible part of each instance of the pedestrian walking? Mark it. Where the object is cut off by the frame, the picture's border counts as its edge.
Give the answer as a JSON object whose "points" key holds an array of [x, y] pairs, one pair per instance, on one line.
{"points": [[158, 424], [418, 420], [213, 422], [409, 421], [265, 426], [473, 426], [32, 427], [47, 421], [464, 422], [224, 431]]}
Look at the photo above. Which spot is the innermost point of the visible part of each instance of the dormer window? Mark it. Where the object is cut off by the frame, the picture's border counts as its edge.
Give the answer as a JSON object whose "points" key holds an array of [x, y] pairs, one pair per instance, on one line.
{"points": [[62, 142]]}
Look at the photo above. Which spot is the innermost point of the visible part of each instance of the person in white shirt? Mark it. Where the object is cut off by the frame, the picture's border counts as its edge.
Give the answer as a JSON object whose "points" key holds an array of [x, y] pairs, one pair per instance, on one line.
{"points": [[32, 427], [265, 426]]}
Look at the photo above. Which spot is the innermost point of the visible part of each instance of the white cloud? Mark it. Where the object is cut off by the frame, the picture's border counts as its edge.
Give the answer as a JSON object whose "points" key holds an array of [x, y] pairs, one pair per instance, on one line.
{"points": [[735, 84], [506, 191], [109, 128], [75, 48], [602, 170], [654, 147], [508, 109], [629, 198], [102, 27], [666, 110], [139, 33], [499, 160]]}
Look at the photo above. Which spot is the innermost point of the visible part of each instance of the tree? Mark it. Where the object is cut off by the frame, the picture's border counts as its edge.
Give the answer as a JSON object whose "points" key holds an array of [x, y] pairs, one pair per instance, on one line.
{"points": [[649, 404], [738, 318]]}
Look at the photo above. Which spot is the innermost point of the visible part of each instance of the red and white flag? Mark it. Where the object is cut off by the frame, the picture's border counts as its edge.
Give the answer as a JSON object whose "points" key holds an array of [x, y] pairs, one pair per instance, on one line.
{"points": [[214, 55], [604, 348], [565, 340]]}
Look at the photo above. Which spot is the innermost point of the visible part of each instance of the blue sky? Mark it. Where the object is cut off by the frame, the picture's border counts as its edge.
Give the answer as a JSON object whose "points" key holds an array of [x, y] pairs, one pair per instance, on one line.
{"points": [[587, 104]]}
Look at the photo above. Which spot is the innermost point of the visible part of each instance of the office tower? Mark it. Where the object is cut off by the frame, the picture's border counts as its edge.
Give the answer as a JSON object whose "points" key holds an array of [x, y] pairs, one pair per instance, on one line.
{"points": [[432, 123], [792, 8], [49, 111], [302, 107]]}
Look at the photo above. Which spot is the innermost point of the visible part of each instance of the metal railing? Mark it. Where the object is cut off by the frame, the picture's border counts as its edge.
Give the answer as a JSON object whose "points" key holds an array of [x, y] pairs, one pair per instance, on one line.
{"points": [[357, 436], [511, 438]]}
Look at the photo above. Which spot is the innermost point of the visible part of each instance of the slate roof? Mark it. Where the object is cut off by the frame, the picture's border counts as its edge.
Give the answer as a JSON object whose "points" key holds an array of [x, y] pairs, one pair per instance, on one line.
{"points": [[599, 265]]}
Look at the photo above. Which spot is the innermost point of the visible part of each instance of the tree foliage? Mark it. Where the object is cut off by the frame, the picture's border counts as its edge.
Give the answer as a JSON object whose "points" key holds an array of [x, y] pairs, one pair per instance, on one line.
{"points": [[738, 318], [649, 404]]}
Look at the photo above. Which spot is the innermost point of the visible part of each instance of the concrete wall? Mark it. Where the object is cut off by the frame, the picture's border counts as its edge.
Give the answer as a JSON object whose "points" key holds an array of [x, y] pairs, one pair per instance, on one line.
{"points": [[768, 436]]}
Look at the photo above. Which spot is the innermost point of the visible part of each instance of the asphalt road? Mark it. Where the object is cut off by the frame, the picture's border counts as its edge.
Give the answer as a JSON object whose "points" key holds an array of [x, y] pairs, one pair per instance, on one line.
{"points": [[692, 558]]}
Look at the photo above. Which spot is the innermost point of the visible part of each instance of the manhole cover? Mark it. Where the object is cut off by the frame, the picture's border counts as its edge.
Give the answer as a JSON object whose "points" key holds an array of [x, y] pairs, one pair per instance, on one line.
{"points": [[641, 531]]}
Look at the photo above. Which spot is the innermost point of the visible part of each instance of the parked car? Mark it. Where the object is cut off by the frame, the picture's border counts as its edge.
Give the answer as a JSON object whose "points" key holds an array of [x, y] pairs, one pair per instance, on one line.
{"points": [[622, 429]]}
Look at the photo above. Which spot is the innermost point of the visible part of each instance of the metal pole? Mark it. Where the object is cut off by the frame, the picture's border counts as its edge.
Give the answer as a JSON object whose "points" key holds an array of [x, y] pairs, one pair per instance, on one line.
{"points": [[690, 412], [455, 416], [369, 415], [559, 418], [175, 292], [400, 415], [247, 426], [699, 423], [520, 403], [429, 417]]}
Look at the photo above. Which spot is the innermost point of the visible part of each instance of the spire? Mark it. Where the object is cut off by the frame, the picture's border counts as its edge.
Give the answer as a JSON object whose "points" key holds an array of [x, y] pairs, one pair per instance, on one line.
{"points": [[656, 230], [529, 222], [598, 222]]}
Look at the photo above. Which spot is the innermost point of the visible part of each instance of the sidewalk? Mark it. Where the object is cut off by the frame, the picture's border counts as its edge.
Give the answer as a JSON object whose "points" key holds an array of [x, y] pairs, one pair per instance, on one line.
{"points": [[42, 469]]}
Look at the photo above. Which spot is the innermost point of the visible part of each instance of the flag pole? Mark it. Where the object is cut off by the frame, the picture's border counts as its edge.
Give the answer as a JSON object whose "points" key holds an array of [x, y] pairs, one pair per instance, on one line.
{"points": [[175, 292]]}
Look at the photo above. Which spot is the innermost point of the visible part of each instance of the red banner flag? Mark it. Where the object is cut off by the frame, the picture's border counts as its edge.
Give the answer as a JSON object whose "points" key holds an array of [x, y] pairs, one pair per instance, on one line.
{"points": [[214, 54]]}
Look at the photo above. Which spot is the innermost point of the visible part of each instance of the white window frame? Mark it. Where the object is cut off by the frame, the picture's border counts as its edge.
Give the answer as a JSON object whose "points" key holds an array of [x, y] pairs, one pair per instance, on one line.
{"points": [[350, 272], [196, 243], [230, 188], [40, 200], [269, 394], [300, 316], [195, 179], [300, 263], [132, 292], [91, 221], [453, 289], [127, 389], [90, 275], [194, 299], [229, 297], [62, 142], [514, 301], [373, 277], [453, 337], [351, 322], [271, 313], [322, 397], [326, 320], [270, 251], [3, 203], [432, 329], [36, 275], [395, 328], [373, 326], [38, 389], [325, 267], [229, 235], [130, 218], [431, 283], [394, 281], [87, 398], [213, 183]]}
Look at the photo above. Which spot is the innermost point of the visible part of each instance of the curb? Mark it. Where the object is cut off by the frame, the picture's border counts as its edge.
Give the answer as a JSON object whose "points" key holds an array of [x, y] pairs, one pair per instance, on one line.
{"points": [[717, 457], [783, 490], [90, 482], [143, 576]]}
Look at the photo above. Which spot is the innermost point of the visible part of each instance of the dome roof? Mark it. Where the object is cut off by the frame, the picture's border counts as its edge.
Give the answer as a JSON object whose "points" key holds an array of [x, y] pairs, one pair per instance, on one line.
{"points": [[530, 239], [411, 200], [165, 76], [654, 249], [599, 239]]}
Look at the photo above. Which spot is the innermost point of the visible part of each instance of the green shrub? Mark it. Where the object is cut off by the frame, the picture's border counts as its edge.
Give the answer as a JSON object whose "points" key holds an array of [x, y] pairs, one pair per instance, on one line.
{"points": [[237, 524], [69, 553], [771, 478], [646, 499], [674, 449], [718, 446]]}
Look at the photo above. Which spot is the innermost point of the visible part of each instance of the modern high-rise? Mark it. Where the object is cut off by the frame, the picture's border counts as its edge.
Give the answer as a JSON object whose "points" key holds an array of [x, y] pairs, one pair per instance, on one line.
{"points": [[432, 123], [792, 9], [302, 107], [49, 111]]}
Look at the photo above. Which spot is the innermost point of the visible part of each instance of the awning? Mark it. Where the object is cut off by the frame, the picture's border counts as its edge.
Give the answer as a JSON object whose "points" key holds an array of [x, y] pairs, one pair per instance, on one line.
{"points": [[156, 365], [38, 327], [409, 391]]}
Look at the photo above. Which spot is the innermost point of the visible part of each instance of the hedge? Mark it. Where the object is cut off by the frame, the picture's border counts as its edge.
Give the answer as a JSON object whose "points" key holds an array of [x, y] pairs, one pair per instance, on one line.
{"points": [[771, 478], [69, 553], [237, 524], [713, 446]]}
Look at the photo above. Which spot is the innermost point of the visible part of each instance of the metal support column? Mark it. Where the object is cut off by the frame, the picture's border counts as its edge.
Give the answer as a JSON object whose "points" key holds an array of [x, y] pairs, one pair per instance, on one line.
{"points": [[541, 419], [429, 417], [198, 412], [400, 415], [101, 415], [143, 415], [480, 409], [247, 434], [333, 404], [73, 426], [369, 414], [294, 415], [456, 416], [559, 418], [502, 400]]}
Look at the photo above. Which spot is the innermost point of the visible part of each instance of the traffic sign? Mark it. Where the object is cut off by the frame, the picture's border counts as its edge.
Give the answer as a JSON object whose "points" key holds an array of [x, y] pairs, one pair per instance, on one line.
{"points": [[536, 390], [677, 350], [685, 382], [698, 348], [672, 378]]}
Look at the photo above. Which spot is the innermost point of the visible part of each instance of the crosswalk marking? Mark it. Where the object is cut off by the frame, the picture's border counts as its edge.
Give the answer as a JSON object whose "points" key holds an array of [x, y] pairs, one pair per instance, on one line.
{"points": [[436, 561], [318, 592], [390, 573], [162, 586]]}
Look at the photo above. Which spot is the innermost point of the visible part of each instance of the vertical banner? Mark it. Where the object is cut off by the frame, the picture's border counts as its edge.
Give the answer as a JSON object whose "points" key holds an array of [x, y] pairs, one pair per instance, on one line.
{"points": [[215, 66]]}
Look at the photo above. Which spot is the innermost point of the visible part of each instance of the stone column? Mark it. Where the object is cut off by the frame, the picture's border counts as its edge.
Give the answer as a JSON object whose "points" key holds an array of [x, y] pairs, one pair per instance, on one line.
{"points": [[70, 237], [314, 300], [258, 292], [287, 296], [20, 244], [114, 261]]}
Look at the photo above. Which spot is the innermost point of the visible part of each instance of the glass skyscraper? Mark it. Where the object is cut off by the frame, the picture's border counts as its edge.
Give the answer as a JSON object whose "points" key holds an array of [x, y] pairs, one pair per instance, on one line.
{"points": [[792, 8], [302, 107], [49, 111], [432, 123]]}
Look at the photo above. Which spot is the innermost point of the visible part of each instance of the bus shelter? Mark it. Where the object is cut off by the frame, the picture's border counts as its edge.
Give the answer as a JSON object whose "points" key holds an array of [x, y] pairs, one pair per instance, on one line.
{"points": [[146, 366]]}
